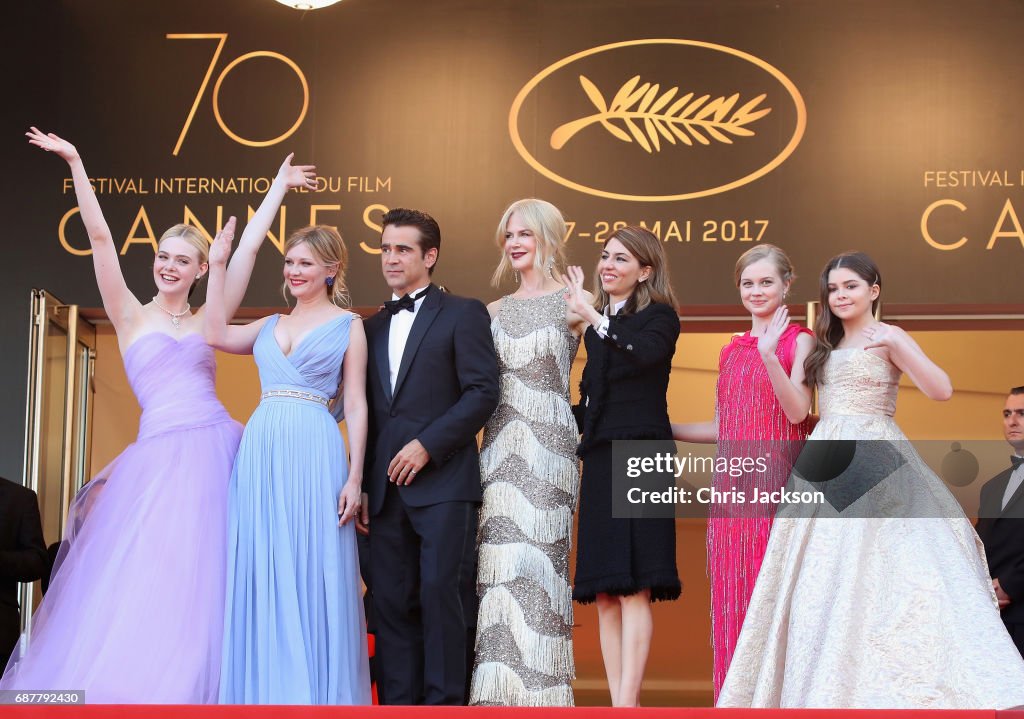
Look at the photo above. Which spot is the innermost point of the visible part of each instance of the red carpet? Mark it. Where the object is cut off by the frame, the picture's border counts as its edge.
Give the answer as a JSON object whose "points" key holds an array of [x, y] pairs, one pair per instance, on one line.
{"points": [[263, 712]]}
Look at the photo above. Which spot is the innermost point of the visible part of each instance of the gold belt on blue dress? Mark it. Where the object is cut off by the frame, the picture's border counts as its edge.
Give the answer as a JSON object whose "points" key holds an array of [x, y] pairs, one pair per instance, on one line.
{"points": [[296, 394]]}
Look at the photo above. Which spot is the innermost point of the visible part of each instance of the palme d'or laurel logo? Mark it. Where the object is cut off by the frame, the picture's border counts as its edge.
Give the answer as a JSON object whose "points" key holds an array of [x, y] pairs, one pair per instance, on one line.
{"points": [[685, 118], [641, 114]]}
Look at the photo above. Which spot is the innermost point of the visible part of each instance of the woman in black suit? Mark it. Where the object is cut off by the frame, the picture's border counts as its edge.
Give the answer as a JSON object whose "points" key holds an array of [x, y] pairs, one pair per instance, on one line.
{"points": [[624, 564]]}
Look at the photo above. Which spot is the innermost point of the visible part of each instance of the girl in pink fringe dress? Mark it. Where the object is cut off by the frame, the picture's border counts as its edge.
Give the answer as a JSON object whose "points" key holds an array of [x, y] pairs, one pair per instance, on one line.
{"points": [[761, 409]]}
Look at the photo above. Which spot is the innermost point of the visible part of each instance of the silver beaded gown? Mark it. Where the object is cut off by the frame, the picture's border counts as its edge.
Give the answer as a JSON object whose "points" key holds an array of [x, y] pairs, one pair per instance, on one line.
{"points": [[530, 477]]}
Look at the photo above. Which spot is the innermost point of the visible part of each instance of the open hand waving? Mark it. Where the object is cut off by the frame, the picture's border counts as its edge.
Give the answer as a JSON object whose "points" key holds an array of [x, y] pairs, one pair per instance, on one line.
{"points": [[52, 143], [297, 175]]}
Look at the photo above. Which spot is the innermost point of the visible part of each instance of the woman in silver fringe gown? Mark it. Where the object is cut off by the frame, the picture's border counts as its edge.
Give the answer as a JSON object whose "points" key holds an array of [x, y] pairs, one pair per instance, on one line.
{"points": [[530, 475]]}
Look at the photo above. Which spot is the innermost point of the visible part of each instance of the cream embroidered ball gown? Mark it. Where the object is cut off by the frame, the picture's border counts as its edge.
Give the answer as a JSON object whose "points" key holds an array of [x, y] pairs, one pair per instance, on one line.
{"points": [[885, 602]]}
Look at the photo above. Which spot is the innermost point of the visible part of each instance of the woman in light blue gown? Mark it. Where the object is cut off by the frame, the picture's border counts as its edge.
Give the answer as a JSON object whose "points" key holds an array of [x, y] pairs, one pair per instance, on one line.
{"points": [[294, 631]]}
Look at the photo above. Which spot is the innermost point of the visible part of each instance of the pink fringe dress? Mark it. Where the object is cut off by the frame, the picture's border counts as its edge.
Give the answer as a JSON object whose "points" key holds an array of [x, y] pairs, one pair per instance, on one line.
{"points": [[751, 423]]}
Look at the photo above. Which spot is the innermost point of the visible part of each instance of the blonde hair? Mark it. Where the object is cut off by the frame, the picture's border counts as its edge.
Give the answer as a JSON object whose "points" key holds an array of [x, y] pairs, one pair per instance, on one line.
{"points": [[193, 237], [649, 252], [546, 223], [329, 249], [766, 251]]}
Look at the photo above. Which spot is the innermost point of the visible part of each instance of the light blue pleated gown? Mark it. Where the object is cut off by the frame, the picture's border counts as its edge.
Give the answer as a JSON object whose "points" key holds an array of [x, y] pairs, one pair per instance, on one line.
{"points": [[294, 631]]}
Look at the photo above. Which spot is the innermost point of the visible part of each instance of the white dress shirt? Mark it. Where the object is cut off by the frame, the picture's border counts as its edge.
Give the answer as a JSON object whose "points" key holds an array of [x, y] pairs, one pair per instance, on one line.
{"points": [[1016, 478], [398, 335], [602, 327]]}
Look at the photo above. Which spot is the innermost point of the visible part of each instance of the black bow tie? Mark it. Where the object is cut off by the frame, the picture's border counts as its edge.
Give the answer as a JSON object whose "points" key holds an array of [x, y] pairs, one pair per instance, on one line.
{"points": [[1016, 461], [405, 302]]}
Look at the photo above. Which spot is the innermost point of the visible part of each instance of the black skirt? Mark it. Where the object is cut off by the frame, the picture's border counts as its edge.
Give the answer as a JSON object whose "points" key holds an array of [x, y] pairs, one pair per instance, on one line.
{"points": [[619, 556]]}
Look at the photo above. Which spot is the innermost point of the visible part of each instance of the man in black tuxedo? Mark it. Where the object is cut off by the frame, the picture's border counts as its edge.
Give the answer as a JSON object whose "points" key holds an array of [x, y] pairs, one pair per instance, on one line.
{"points": [[432, 383], [1001, 523], [22, 557]]}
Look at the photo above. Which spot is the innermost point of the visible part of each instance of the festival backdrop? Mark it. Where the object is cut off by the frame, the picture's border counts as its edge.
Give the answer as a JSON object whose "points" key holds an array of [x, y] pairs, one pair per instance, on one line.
{"points": [[886, 126]]}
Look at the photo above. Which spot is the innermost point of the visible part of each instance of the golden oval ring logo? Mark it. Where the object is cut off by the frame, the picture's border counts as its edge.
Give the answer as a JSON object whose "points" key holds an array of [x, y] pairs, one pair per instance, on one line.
{"points": [[640, 113]]}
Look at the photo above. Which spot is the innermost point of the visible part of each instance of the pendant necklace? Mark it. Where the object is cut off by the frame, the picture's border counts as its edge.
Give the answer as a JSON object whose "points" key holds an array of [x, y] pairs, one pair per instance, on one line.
{"points": [[174, 317]]}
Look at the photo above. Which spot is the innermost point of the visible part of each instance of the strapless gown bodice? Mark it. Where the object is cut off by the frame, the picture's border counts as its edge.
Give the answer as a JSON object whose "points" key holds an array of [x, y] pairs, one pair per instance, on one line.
{"points": [[857, 397], [858, 382], [174, 382]]}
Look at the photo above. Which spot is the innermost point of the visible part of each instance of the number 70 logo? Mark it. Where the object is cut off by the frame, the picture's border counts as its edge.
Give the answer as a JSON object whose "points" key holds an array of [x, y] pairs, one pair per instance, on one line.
{"points": [[222, 37]]}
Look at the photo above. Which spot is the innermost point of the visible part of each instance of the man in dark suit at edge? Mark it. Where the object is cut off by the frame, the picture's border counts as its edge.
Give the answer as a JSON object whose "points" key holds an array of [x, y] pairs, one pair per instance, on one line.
{"points": [[22, 557], [1001, 523], [432, 383]]}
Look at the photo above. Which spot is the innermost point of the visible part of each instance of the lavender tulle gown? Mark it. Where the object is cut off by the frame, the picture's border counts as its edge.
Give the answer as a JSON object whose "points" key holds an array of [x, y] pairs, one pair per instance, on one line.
{"points": [[134, 611]]}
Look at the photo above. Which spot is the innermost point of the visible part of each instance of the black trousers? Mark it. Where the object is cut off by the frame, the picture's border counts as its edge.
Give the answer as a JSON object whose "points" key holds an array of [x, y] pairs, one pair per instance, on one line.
{"points": [[10, 630], [417, 566]]}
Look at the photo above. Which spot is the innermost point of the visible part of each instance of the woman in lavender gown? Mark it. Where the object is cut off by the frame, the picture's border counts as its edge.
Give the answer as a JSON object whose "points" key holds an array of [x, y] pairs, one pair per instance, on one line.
{"points": [[134, 612]]}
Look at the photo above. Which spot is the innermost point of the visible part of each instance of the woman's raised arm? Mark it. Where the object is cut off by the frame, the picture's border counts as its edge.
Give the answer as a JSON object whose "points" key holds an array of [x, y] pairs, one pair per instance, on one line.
{"points": [[240, 269], [121, 305]]}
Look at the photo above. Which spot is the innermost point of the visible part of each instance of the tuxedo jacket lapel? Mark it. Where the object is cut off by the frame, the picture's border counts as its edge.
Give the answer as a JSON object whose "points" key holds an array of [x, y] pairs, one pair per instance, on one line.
{"points": [[991, 503], [424, 318], [380, 350], [1017, 496]]}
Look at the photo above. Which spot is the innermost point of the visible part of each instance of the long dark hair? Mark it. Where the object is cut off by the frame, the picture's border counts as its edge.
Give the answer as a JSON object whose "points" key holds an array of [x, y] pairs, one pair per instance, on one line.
{"points": [[645, 246], [828, 329]]}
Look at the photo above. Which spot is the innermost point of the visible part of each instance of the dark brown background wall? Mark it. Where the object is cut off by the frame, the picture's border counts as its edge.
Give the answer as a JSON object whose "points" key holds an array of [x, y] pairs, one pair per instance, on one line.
{"points": [[409, 103]]}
